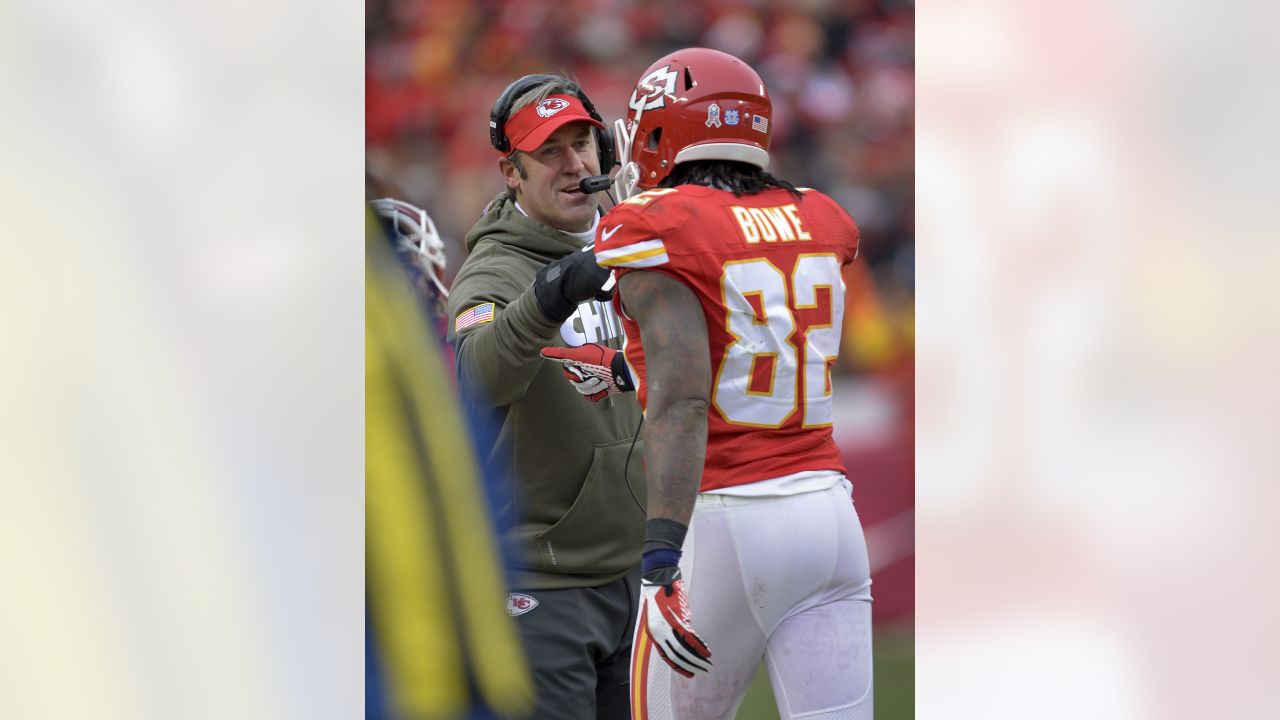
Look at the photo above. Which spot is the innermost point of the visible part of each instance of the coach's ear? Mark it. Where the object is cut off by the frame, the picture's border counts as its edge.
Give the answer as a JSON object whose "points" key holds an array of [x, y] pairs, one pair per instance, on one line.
{"points": [[512, 169]]}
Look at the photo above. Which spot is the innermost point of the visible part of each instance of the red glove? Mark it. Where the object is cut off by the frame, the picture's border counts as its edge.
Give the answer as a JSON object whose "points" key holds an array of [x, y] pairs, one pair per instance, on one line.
{"points": [[596, 371], [666, 613]]}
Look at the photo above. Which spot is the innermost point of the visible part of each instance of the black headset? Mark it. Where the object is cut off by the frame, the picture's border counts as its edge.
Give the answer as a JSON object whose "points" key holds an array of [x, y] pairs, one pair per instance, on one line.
{"points": [[502, 108]]}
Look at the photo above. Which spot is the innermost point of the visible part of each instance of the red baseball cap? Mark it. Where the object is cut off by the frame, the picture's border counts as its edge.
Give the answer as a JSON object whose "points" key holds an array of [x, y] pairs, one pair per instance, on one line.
{"points": [[534, 123]]}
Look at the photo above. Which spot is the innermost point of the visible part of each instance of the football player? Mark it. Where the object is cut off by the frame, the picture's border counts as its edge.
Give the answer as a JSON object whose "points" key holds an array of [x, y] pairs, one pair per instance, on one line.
{"points": [[730, 292], [431, 651]]}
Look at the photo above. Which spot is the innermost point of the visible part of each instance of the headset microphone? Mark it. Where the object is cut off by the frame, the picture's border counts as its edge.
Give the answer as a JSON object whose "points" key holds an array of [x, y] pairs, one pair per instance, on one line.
{"points": [[594, 184]]}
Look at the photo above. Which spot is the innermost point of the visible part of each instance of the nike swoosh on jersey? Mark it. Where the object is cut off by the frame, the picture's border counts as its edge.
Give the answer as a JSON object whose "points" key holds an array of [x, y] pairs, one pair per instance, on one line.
{"points": [[606, 233]]}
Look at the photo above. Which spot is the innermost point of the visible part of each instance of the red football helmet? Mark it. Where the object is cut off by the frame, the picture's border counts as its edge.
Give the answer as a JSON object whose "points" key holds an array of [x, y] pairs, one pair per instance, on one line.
{"points": [[694, 104]]}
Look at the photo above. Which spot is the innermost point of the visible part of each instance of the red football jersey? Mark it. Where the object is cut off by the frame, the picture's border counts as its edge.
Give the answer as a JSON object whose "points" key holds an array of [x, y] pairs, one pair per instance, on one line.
{"points": [[766, 269]]}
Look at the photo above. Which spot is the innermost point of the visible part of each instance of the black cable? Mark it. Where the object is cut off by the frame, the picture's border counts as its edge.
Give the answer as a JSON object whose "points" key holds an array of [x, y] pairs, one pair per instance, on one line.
{"points": [[627, 466]]}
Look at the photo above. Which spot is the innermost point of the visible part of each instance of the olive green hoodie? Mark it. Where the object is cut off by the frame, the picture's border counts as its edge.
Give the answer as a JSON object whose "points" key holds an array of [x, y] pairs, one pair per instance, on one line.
{"points": [[574, 522]]}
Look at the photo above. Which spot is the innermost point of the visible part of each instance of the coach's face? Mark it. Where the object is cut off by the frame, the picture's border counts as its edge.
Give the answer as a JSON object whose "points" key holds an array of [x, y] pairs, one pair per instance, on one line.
{"points": [[551, 171]]}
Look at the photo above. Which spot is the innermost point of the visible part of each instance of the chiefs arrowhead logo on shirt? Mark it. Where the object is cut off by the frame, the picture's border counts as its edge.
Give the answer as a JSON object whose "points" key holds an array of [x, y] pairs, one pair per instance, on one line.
{"points": [[519, 604], [551, 106]]}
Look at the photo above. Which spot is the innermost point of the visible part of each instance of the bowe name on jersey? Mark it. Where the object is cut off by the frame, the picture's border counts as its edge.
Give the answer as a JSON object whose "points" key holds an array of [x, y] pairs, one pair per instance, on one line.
{"points": [[770, 224]]}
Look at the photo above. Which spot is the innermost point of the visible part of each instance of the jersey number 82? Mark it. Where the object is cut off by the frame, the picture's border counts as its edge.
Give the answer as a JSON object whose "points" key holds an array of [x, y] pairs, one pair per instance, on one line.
{"points": [[766, 372]]}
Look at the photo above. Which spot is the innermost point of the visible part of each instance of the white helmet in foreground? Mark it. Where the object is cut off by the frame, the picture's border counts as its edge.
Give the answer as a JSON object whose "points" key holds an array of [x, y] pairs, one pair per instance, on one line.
{"points": [[417, 237]]}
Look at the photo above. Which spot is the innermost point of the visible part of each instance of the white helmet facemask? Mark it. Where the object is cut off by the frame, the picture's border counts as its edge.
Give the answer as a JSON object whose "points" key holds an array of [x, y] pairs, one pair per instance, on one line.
{"points": [[416, 234], [624, 183]]}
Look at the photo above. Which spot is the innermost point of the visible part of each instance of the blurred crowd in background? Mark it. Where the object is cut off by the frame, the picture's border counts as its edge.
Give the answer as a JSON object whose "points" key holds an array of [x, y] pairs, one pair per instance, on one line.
{"points": [[841, 74]]}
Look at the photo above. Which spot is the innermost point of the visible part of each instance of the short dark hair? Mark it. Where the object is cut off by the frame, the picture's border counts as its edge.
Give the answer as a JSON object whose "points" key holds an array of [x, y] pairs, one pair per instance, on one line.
{"points": [[738, 178]]}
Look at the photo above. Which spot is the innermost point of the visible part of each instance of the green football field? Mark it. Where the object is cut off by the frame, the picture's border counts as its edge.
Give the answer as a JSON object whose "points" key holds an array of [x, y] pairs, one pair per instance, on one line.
{"points": [[894, 677]]}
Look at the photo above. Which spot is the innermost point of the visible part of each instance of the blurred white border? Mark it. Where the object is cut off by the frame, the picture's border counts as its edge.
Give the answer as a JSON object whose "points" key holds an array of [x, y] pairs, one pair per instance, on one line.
{"points": [[181, 207], [1096, 414], [181, 450]]}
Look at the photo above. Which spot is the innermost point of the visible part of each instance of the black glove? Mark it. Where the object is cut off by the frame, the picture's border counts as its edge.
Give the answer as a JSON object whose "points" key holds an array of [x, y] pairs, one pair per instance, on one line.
{"points": [[572, 279]]}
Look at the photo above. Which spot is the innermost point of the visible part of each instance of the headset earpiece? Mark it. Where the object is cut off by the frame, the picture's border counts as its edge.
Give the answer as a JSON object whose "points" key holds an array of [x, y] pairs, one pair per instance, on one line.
{"points": [[604, 139], [608, 152]]}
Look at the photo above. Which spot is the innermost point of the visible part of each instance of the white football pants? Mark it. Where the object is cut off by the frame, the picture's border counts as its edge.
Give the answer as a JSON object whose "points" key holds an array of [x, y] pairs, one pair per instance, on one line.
{"points": [[783, 579]]}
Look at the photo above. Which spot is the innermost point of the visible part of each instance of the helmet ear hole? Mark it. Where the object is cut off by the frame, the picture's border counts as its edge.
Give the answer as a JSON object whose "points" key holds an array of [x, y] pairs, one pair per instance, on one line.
{"points": [[654, 138], [688, 79]]}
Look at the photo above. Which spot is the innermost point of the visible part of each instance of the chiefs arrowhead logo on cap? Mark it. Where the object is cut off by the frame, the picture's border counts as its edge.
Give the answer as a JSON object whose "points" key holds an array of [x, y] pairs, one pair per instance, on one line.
{"points": [[531, 125], [551, 106], [519, 604]]}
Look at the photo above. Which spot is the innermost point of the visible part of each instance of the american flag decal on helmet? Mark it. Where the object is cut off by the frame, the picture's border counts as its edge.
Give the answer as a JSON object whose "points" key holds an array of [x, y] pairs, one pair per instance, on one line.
{"points": [[477, 315], [760, 123]]}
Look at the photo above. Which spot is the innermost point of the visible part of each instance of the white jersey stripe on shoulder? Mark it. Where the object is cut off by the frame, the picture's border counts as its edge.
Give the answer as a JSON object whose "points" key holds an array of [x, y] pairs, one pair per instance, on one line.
{"points": [[629, 249], [640, 260], [646, 253]]}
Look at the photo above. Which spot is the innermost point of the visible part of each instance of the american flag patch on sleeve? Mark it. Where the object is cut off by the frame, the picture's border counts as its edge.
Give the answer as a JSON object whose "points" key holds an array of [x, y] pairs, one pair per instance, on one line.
{"points": [[477, 315]]}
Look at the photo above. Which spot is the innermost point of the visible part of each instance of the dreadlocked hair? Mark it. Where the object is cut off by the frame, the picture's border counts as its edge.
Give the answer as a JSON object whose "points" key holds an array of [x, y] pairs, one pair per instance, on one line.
{"points": [[738, 178]]}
